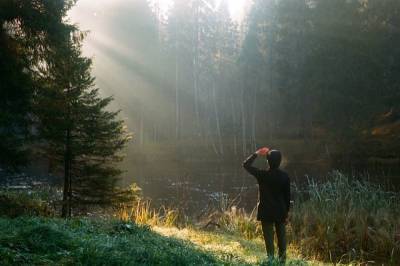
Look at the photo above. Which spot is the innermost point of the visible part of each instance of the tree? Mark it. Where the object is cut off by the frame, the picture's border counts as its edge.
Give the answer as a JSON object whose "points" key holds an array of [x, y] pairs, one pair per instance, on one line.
{"points": [[26, 29], [78, 133], [15, 94], [330, 64]]}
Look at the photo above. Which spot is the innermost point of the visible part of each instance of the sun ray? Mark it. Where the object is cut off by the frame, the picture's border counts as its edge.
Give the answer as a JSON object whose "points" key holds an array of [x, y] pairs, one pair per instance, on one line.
{"points": [[237, 8]]}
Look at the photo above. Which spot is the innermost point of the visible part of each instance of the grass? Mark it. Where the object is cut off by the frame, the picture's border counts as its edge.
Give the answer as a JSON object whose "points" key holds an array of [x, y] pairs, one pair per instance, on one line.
{"points": [[342, 220], [51, 241], [345, 219], [230, 247], [142, 212], [40, 241]]}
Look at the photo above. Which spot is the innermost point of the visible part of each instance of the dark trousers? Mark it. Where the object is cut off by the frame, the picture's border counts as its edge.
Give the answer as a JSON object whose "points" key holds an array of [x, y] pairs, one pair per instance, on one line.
{"points": [[268, 232]]}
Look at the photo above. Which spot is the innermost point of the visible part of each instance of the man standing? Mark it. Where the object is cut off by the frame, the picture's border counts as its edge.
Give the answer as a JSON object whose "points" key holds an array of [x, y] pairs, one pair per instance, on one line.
{"points": [[274, 201]]}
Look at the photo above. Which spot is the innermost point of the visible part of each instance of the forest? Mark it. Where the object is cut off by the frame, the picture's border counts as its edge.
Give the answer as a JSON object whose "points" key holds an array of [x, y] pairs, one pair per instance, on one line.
{"points": [[309, 70], [124, 124]]}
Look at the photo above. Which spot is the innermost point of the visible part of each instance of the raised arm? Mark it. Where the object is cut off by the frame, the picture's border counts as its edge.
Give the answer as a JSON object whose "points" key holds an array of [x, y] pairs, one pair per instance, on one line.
{"points": [[247, 164]]}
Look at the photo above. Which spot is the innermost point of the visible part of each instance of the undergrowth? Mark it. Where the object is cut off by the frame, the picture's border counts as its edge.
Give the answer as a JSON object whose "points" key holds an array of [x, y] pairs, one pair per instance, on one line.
{"points": [[26, 203]]}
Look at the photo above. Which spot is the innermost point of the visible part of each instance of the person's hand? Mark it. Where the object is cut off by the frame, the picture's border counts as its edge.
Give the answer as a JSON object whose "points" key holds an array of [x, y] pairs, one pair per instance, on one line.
{"points": [[263, 151]]}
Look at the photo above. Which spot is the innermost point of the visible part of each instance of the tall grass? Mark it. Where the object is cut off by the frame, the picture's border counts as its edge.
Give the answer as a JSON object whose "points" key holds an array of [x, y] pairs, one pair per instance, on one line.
{"points": [[345, 219], [237, 221], [226, 216], [340, 220], [142, 212]]}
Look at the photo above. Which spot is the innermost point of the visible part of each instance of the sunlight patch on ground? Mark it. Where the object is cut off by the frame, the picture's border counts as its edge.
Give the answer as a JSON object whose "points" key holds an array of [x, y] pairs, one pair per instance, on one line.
{"points": [[218, 243], [250, 251]]}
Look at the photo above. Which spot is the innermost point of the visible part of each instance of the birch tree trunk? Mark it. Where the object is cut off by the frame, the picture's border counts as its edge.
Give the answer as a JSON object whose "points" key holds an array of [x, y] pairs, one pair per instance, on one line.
{"points": [[221, 149]]}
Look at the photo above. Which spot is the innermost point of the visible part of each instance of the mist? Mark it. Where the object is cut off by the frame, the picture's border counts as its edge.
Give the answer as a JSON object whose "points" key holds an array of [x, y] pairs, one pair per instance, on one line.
{"points": [[201, 85], [199, 132]]}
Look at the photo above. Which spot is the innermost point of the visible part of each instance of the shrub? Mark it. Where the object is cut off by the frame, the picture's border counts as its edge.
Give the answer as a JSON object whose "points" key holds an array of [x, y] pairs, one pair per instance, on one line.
{"points": [[23, 203]]}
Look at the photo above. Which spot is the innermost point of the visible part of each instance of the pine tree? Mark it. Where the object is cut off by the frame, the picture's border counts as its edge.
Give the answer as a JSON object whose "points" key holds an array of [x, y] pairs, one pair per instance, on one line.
{"points": [[82, 138], [15, 94], [27, 29]]}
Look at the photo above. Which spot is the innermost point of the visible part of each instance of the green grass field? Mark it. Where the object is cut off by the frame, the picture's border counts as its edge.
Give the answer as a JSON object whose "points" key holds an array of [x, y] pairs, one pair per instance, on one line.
{"points": [[50, 241]]}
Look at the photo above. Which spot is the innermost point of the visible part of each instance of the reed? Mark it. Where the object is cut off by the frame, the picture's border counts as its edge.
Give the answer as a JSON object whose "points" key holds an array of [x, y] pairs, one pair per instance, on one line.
{"points": [[340, 220], [345, 219]]}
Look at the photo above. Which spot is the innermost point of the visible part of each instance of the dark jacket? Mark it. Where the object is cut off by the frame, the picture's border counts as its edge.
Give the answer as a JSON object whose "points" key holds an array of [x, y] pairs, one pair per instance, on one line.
{"points": [[274, 187]]}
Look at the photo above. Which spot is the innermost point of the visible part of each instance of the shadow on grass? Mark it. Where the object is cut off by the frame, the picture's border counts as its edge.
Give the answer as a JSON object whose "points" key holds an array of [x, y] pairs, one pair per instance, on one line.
{"points": [[38, 241]]}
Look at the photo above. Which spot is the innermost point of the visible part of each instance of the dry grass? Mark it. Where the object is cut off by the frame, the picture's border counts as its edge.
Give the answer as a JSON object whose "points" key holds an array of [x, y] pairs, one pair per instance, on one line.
{"points": [[142, 212]]}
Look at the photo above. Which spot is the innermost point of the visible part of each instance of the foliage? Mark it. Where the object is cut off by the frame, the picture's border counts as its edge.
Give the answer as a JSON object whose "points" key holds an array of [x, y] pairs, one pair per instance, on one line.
{"points": [[20, 203], [47, 92], [27, 30], [80, 136], [329, 63], [293, 69]]}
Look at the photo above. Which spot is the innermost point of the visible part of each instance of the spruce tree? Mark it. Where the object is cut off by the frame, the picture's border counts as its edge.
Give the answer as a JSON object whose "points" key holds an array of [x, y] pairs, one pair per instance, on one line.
{"points": [[27, 29], [80, 135], [15, 95]]}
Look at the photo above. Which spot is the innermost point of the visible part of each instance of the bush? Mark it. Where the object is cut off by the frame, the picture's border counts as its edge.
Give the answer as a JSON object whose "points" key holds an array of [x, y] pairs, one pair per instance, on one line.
{"points": [[23, 203]]}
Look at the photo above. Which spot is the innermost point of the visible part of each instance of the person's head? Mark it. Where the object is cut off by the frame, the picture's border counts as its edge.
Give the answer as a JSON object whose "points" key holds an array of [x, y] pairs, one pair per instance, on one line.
{"points": [[274, 158]]}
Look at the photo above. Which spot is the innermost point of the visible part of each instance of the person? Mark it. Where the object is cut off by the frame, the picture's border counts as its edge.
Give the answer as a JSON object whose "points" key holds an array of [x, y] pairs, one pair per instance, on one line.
{"points": [[274, 199]]}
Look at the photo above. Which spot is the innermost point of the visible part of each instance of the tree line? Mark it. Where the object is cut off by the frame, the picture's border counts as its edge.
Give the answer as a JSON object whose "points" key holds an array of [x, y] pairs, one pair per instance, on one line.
{"points": [[292, 69]]}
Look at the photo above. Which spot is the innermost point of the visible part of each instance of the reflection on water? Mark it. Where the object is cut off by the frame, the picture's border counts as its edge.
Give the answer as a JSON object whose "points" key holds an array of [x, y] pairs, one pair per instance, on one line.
{"points": [[195, 184]]}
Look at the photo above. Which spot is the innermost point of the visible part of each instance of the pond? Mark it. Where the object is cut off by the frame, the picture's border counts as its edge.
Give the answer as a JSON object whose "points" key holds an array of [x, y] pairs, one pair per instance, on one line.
{"points": [[195, 184]]}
